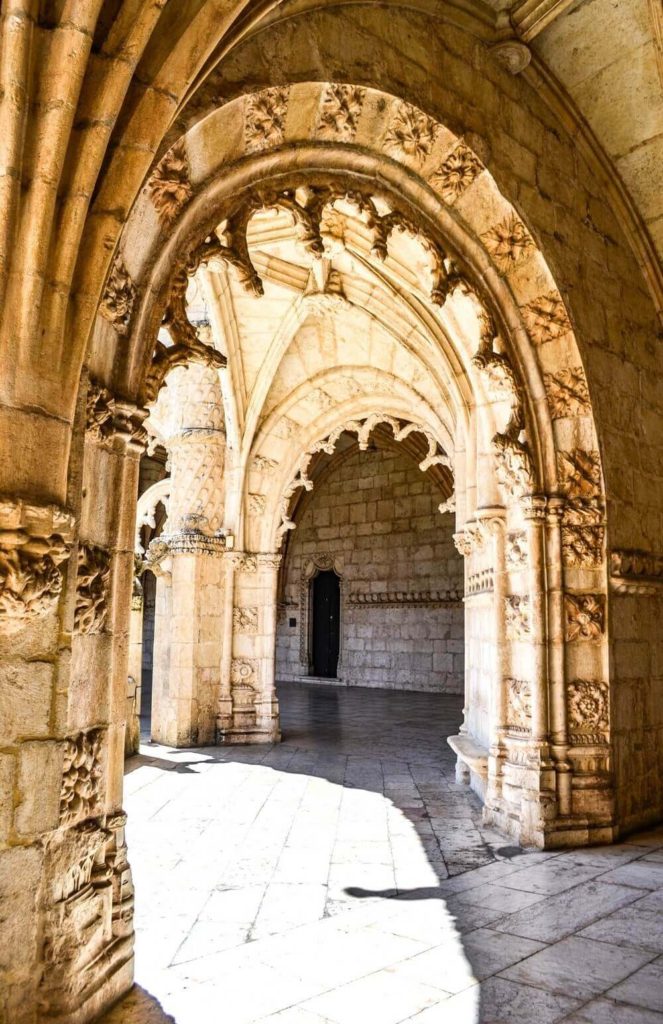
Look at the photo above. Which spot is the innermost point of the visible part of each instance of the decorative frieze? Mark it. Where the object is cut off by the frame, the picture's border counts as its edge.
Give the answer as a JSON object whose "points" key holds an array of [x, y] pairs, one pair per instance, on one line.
{"points": [[636, 572], [580, 473], [585, 616], [264, 123], [170, 185], [81, 771], [509, 243], [588, 711], [517, 617], [567, 393], [482, 582], [93, 576], [519, 705], [416, 598], [339, 113], [410, 134], [118, 297], [458, 171], [546, 318], [245, 620]]}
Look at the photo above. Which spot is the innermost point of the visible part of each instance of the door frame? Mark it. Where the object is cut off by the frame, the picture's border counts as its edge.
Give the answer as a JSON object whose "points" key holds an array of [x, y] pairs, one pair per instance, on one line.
{"points": [[320, 562]]}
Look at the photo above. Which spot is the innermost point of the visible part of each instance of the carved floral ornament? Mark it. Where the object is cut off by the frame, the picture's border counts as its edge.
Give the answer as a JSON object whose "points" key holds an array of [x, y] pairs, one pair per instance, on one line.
{"points": [[456, 173], [588, 711], [583, 533], [585, 616], [517, 614], [411, 133], [118, 297], [81, 771], [519, 707], [341, 106], [170, 185], [109, 418], [264, 122]]}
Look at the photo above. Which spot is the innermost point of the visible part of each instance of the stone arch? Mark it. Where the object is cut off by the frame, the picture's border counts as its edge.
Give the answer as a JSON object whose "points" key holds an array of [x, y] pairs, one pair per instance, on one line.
{"points": [[478, 286]]}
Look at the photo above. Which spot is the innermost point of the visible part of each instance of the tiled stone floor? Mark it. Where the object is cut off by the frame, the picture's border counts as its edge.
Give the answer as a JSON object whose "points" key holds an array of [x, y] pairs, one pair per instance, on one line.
{"points": [[343, 876]]}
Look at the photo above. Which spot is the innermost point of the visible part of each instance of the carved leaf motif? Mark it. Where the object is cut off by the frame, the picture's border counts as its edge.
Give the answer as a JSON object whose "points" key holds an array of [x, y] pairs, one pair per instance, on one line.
{"points": [[81, 770], [460, 169], [514, 464], [516, 550], [30, 578], [262, 464], [257, 503], [567, 393], [587, 709], [520, 705], [265, 119], [546, 318], [91, 589], [582, 546], [585, 616], [411, 133], [339, 115], [580, 472], [170, 186], [517, 610], [118, 297]]}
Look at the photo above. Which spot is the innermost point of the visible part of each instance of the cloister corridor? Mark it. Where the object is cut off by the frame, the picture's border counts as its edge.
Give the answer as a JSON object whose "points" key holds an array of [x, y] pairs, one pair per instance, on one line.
{"points": [[343, 875]]}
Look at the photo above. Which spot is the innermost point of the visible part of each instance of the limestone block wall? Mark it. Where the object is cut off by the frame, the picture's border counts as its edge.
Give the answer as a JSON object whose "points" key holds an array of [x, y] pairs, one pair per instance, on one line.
{"points": [[377, 516]]}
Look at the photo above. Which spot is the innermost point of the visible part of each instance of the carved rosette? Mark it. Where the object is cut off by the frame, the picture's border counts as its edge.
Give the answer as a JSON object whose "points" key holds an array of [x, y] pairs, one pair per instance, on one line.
{"points": [[516, 550], [170, 185], [411, 133], [264, 123], [517, 617], [93, 577], [588, 711], [509, 243], [81, 771], [579, 473], [34, 542], [567, 393], [245, 620], [519, 705], [118, 297], [339, 112], [244, 674], [546, 318], [585, 616], [455, 175]]}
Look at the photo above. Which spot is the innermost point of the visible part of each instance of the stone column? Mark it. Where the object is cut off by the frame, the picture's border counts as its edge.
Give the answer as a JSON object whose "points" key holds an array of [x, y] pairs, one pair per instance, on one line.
{"points": [[132, 731], [189, 624], [251, 715], [493, 525], [556, 641]]}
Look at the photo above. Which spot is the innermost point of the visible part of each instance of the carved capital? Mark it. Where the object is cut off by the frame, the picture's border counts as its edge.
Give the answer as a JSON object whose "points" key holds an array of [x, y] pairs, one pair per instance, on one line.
{"points": [[34, 541], [110, 419], [534, 507]]}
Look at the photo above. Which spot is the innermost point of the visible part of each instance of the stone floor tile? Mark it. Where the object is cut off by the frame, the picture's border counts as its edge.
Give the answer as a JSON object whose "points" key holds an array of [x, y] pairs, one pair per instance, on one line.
{"points": [[568, 912], [642, 874], [607, 1011], [386, 997], [498, 1001], [578, 967], [644, 988], [553, 876], [489, 951], [631, 926], [497, 897]]}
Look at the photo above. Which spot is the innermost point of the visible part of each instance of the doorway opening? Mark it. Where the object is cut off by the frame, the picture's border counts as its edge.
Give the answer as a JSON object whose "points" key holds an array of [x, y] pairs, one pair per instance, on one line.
{"points": [[325, 617]]}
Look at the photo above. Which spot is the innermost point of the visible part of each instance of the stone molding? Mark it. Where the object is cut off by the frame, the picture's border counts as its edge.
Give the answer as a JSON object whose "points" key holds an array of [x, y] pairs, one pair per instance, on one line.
{"points": [[482, 582], [414, 598], [636, 572]]}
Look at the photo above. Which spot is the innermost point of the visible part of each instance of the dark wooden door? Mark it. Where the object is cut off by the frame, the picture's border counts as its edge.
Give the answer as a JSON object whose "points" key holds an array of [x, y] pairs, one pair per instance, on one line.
{"points": [[326, 608]]}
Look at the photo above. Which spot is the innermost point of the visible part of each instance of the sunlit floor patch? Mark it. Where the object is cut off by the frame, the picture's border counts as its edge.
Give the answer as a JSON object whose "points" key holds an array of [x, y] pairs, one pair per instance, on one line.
{"points": [[343, 876]]}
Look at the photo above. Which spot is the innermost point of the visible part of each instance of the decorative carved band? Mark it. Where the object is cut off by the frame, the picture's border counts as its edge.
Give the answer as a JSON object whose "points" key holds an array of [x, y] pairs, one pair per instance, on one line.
{"points": [[81, 770], [588, 712], [91, 589], [636, 572], [440, 598]]}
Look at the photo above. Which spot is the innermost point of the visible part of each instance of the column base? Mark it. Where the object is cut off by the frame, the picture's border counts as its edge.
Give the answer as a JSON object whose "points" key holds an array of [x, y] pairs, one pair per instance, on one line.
{"points": [[249, 734]]}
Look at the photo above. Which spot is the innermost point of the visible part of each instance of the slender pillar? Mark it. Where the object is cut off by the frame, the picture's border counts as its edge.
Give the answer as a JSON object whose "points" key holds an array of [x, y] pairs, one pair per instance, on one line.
{"points": [[493, 525], [189, 625], [556, 640]]}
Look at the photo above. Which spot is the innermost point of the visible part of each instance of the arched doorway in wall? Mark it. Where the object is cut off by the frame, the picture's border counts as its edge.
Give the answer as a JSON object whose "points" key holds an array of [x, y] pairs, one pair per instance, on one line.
{"points": [[374, 521]]}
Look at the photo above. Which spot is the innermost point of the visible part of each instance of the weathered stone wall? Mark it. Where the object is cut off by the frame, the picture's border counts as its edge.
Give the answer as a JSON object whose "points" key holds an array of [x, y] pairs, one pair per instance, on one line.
{"points": [[377, 513]]}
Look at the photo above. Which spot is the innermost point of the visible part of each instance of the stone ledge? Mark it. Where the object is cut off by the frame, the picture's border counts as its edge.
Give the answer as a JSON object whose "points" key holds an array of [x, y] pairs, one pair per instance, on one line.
{"points": [[471, 753]]}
